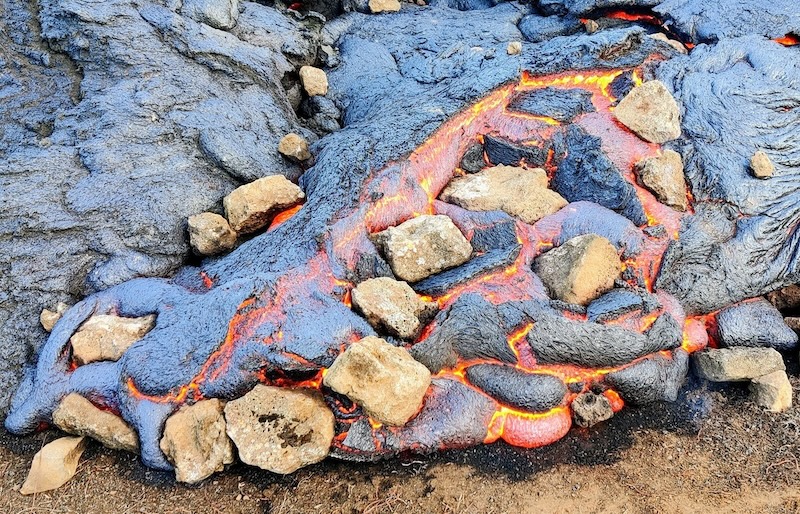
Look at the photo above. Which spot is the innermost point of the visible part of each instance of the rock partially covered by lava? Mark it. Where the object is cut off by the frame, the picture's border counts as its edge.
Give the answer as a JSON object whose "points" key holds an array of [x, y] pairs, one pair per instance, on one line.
{"points": [[220, 14], [620, 301], [737, 364], [658, 377], [106, 337], [210, 234], [78, 416], [48, 318], [651, 112], [392, 306], [520, 192], [383, 379], [532, 392], [772, 391], [663, 176], [499, 151], [280, 429], [579, 270], [195, 441], [589, 409], [251, 206], [563, 105], [423, 246], [756, 324]]}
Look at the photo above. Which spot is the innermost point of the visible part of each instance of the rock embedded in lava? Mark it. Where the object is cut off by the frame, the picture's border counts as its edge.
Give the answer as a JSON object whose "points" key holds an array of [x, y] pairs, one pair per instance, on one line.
{"points": [[651, 112], [663, 176], [674, 43], [78, 416], [563, 105], [107, 337], [472, 161], [580, 270], [49, 318], [617, 302], [195, 441], [220, 14], [589, 409], [423, 246], [251, 207], [514, 48], [295, 147], [761, 166], [280, 429], [378, 6], [737, 364], [520, 192], [532, 392], [392, 306], [756, 324], [314, 81], [383, 379], [499, 151], [772, 391], [655, 378], [210, 234]]}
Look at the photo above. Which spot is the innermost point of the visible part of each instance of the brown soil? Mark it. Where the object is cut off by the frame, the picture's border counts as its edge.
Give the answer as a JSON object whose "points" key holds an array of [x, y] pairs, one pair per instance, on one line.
{"points": [[712, 452]]}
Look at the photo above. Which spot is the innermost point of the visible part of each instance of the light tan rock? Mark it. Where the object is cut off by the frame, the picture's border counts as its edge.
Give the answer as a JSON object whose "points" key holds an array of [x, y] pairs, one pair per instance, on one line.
{"points": [[663, 176], [383, 379], [280, 429], [210, 234], [772, 391], [677, 45], [195, 441], [294, 147], [49, 318], [78, 416], [54, 465], [589, 409], [314, 81], [251, 207], [520, 192], [580, 270], [737, 364], [106, 337], [514, 48], [377, 6], [424, 246], [650, 112], [392, 306], [591, 26], [761, 166]]}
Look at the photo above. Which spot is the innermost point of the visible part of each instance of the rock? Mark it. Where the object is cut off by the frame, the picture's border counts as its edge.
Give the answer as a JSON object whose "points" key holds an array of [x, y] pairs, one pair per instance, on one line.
{"points": [[210, 234], [579, 270], [423, 246], [591, 26], [49, 318], [755, 323], [392, 306], [589, 409], [520, 192], [651, 112], [78, 416], [761, 166], [195, 441], [383, 379], [314, 80], [250, 207], [294, 147], [106, 337], [772, 391], [220, 14], [793, 323], [280, 429], [786, 297], [663, 176], [377, 6], [737, 364], [54, 465], [677, 45], [472, 161], [514, 48]]}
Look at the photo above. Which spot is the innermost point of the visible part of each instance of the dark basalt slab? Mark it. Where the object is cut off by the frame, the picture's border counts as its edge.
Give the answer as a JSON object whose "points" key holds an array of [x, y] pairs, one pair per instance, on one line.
{"points": [[494, 237], [756, 324], [656, 378], [563, 105], [620, 301], [532, 392], [500, 151], [443, 282]]}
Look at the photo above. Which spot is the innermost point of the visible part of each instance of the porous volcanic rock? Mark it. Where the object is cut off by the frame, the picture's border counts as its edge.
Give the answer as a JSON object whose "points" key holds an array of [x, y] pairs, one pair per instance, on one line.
{"points": [[392, 306], [786, 297], [210, 234], [377, 6], [220, 14], [772, 391], [563, 105], [280, 429], [651, 112], [314, 80], [424, 246], [294, 147], [655, 378], [384, 379], [106, 337], [251, 206], [663, 176], [755, 323], [520, 192], [195, 441], [54, 465], [737, 364], [589, 409], [579, 270], [78, 416], [473, 161], [49, 318], [761, 166]]}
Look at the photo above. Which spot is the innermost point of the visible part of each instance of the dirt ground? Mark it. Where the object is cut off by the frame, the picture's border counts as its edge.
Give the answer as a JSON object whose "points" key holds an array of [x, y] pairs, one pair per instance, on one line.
{"points": [[711, 452]]}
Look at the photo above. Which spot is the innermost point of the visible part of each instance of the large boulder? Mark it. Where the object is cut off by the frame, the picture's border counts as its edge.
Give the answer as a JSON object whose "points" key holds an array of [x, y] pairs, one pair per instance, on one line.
{"points": [[737, 364], [78, 416], [772, 391], [392, 306], [106, 337], [54, 465], [251, 207], [580, 270], [383, 379], [195, 441], [280, 429], [651, 112], [521, 192], [424, 246], [663, 176], [210, 234]]}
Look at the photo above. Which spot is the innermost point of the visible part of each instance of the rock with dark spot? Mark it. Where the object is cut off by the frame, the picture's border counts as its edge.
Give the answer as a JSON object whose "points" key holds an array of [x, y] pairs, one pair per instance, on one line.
{"points": [[761, 166], [589, 409], [106, 337], [736, 364], [532, 392], [656, 378], [563, 105], [472, 161], [500, 151], [772, 391], [251, 207], [756, 324], [650, 112], [392, 306], [663, 176], [210, 234], [78, 416]]}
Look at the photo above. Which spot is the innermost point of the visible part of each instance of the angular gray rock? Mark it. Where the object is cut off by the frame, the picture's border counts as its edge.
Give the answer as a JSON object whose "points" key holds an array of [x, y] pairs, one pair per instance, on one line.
{"points": [[761, 166], [251, 207], [392, 306], [772, 391], [210, 234], [589, 409], [106, 337], [663, 176], [78, 416], [651, 112], [220, 14], [737, 364]]}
